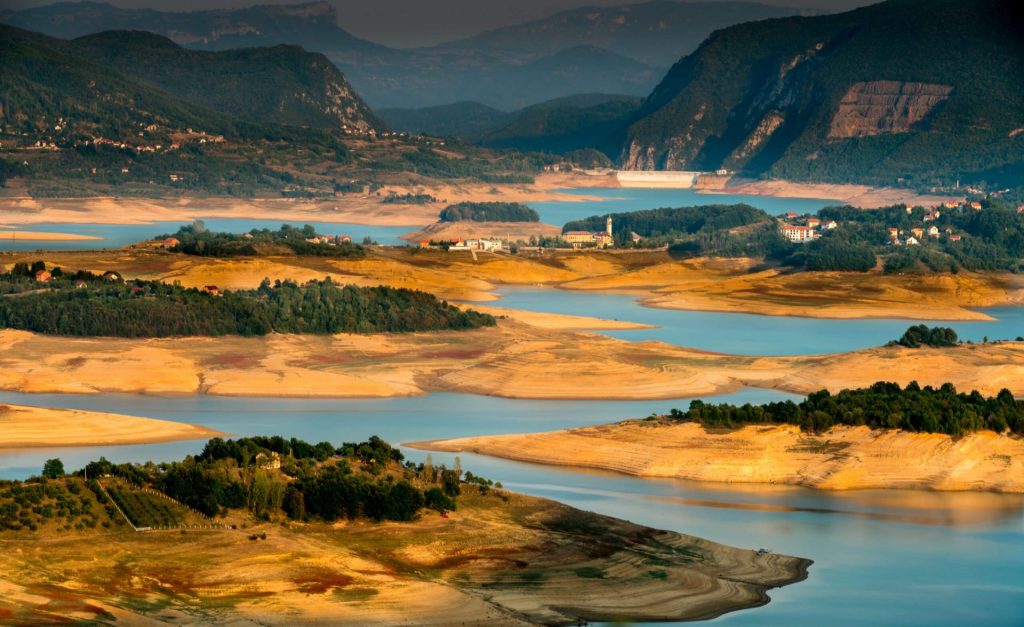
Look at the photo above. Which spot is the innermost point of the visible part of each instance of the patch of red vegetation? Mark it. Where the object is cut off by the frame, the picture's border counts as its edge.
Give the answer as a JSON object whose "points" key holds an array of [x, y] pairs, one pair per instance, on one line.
{"points": [[327, 359], [233, 360], [472, 353], [321, 581]]}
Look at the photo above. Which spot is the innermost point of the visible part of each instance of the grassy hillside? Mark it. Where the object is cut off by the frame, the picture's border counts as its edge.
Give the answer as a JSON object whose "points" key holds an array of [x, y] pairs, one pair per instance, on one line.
{"points": [[283, 84], [73, 126], [908, 91]]}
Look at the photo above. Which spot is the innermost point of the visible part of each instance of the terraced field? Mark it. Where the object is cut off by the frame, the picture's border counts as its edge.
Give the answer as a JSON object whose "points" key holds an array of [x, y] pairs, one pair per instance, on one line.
{"points": [[150, 510]]}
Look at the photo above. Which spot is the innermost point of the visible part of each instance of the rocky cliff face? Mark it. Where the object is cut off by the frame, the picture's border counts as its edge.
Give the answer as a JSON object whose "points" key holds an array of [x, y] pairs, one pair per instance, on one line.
{"points": [[877, 107], [824, 98]]}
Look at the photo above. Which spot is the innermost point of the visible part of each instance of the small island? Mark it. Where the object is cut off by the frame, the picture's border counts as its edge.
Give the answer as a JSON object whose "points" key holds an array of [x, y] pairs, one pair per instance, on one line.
{"points": [[488, 212], [272, 528]]}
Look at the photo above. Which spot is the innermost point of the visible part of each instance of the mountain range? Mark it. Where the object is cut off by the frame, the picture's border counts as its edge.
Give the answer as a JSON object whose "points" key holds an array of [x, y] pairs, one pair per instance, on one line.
{"points": [[130, 112], [911, 91], [561, 125], [623, 49]]}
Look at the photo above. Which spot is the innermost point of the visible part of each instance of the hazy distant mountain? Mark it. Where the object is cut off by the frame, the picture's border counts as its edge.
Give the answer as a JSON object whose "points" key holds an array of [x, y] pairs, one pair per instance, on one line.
{"points": [[466, 120], [918, 89], [618, 50], [557, 126], [312, 25], [656, 32], [565, 124], [281, 85]]}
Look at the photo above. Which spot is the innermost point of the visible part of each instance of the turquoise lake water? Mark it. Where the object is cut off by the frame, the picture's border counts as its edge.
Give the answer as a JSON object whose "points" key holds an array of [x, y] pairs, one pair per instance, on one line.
{"points": [[631, 199], [557, 213], [881, 557], [116, 235], [903, 558], [746, 334]]}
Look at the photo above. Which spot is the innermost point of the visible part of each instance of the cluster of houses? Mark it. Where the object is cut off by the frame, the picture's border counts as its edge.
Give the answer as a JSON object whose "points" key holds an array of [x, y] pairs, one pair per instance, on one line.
{"points": [[480, 244], [914, 236], [811, 229], [45, 276], [326, 240]]}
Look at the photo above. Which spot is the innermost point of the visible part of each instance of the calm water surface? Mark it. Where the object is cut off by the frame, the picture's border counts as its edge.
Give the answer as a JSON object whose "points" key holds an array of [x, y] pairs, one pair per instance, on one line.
{"points": [[116, 235], [620, 200], [746, 334], [557, 213], [881, 557]]}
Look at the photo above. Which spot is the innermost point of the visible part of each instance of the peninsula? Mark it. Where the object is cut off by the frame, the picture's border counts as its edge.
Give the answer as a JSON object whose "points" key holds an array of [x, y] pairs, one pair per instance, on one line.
{"points": [[828, 442], [177, 543]]}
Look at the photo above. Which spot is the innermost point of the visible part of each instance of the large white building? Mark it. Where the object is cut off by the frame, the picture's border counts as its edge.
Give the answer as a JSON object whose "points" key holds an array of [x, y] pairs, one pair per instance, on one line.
{"points": [[798, 234]]}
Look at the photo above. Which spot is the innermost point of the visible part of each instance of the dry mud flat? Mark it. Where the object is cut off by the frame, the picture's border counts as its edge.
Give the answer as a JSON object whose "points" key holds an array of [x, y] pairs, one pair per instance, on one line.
{"points": [[844, 458], [862, 196], [353, 208], [520, 561], [31, 427], [727, 285], [513, 360]]}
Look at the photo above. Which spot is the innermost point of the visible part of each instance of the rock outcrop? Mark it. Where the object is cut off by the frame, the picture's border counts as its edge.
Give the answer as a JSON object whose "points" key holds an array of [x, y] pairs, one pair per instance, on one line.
{"points": [[878, 107]]}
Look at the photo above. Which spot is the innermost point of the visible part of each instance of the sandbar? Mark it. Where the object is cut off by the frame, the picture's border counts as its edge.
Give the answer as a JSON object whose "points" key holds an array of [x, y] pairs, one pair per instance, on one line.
{"points": [[41, 236], [36, 427]]}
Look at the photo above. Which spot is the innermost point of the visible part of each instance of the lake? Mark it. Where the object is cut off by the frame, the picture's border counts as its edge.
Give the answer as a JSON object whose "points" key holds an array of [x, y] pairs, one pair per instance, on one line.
{"points": [[632, 199], [881, 557], [557, 213], [746, 334], [903, 558], [116, 235]]}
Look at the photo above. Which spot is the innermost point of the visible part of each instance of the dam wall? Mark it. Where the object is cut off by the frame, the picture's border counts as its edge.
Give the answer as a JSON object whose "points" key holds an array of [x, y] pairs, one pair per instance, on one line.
{"points": [[662, 178]]}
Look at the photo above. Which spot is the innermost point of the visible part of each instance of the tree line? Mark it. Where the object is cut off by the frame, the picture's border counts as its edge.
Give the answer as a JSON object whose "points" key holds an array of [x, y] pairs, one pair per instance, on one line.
{"points": [[489, 212], [275, 477], [195, 239], [883, 405], [88, 305]]}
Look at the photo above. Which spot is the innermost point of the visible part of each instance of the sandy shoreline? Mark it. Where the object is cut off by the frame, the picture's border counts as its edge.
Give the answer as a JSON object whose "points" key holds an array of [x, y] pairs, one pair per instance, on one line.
{"points": [[352, 208], [40, 236], [467, 229], [506, 562], [653, 277], [513, 360], [369, 210], [844, 458], [863, 196], [24, 427]]}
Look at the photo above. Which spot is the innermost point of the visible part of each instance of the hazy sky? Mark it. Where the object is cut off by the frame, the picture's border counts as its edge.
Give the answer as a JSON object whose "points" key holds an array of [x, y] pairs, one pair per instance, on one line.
{"points": [[406, 23]]}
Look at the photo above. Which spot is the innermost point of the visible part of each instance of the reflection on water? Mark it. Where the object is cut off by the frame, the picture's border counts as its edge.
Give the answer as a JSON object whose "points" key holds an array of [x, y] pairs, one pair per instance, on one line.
{"points": [[875, 564], [746, 334]]}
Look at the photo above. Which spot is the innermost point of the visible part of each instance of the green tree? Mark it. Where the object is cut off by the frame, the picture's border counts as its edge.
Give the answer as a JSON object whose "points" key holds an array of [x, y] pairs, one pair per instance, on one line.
{"points": [[53, 468]]}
